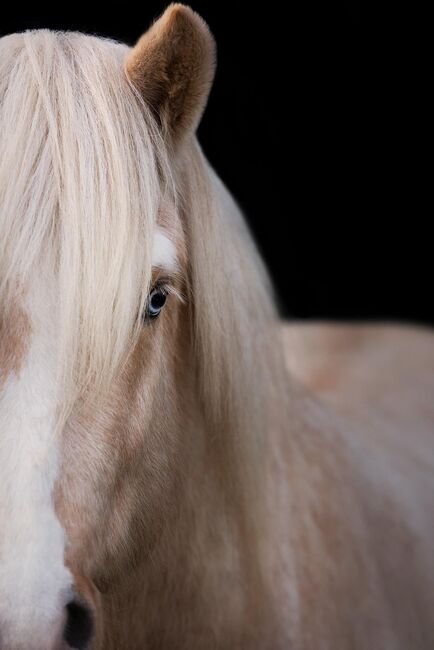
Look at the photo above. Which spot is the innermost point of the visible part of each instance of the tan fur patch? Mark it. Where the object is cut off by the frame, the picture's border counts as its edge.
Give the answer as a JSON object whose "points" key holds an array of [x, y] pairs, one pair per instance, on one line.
{"points": [[14, 336]]}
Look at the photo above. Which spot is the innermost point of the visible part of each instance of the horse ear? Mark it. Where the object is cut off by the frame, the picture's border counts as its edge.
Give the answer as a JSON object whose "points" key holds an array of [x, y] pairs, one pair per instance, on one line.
{"points": [[172, 65]]}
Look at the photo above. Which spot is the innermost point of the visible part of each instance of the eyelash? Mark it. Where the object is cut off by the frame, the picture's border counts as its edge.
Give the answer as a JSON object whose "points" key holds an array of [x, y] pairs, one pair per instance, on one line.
{"points": [[166, 284]]}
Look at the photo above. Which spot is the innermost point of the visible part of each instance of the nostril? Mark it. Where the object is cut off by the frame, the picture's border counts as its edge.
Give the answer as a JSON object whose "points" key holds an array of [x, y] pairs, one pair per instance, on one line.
{"points": [[79, 625]]}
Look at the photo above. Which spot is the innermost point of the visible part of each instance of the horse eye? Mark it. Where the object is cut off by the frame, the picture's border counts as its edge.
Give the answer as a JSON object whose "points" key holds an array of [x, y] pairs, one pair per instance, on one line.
{"points": [[156, 301]]}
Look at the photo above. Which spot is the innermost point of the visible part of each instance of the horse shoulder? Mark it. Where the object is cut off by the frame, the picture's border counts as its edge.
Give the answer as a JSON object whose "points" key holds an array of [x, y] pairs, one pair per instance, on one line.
{"points": [[374, 386]]}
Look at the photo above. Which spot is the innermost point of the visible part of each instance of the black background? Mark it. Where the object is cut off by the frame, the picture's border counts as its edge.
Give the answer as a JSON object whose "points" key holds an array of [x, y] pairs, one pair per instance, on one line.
{"points": [[316, 123]]}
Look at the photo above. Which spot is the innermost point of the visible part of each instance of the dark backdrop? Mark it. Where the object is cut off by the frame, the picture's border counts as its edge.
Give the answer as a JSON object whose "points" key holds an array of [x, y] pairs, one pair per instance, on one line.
{"points": [[313, 123]]}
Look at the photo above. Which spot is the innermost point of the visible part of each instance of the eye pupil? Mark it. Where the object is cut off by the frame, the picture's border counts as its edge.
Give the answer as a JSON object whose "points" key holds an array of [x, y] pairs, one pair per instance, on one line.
{"points": [[158, 299], [156, 302]]}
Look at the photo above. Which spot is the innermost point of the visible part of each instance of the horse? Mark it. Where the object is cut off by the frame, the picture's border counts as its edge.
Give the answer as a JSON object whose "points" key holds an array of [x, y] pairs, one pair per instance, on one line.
{"points": [[180, 468]]}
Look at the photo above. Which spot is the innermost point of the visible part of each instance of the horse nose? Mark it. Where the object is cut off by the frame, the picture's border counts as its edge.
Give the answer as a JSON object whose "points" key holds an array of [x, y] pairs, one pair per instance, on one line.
{"points": [[79, 626]]}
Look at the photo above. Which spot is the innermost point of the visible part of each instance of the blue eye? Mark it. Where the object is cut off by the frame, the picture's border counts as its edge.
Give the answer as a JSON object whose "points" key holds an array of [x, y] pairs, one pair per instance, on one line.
{"points": [[156, 301]]}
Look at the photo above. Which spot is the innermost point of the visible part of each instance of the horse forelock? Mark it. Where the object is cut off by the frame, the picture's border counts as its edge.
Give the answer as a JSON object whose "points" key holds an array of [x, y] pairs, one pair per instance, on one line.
{"points": [[83, 176]]}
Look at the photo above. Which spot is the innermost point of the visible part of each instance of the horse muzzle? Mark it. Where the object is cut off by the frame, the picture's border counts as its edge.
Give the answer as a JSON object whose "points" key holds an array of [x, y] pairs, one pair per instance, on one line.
{"points": [[74, 628]]}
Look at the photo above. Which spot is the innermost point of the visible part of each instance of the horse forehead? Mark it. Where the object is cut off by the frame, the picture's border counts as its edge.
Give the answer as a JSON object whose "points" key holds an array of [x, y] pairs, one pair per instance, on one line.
{"points": [[17, 317]]}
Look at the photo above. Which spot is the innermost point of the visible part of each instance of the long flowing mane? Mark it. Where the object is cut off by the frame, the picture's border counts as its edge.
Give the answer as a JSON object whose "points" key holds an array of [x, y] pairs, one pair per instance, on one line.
{"points": [[83, 172], [81, 168], [243, 380]]}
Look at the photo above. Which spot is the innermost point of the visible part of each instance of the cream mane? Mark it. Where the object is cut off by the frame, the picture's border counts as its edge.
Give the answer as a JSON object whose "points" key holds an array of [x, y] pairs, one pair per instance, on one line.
{"points": [[82, 176], [81, 170]]}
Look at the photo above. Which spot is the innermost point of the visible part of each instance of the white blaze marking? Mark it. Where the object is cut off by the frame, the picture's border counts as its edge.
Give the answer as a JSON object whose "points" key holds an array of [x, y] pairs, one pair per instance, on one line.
{"points": [[163, 252], [34, 583]]}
